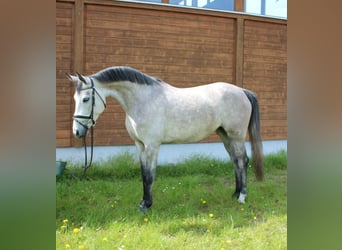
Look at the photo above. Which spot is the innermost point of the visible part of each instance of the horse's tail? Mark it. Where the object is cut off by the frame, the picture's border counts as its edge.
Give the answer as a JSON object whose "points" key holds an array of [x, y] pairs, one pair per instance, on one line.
{"points": [[254, 136]]}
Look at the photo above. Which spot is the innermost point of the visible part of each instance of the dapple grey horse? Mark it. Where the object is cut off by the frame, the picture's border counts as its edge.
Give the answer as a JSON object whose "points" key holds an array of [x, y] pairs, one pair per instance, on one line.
{"points": [[158, 113]]}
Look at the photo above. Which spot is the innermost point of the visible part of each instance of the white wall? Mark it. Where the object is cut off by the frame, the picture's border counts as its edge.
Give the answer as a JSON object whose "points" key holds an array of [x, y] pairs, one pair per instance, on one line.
{"points": [[169, 153]]}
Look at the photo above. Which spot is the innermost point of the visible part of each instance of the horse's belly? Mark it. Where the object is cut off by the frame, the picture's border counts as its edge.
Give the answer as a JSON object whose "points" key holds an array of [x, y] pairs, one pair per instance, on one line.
{"points": [[181, 134], [183, 139]]}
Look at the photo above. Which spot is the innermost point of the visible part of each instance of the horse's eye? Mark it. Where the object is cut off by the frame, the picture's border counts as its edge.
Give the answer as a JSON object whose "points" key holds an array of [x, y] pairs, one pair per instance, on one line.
{"points": [[86, 99]]}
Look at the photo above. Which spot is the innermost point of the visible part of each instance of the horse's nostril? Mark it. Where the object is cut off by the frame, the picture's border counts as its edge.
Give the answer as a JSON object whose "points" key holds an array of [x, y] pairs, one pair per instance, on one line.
{"points": [[77, 133]]}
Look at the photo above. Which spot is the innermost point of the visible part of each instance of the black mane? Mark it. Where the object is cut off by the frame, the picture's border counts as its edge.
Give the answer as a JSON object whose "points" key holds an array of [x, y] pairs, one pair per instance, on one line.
{"points": [[121, 73]]}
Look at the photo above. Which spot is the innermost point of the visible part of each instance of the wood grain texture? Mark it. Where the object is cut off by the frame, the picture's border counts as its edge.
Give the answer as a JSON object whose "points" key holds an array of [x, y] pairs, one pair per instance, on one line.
{"points": [[265, 73], [184, 47]]}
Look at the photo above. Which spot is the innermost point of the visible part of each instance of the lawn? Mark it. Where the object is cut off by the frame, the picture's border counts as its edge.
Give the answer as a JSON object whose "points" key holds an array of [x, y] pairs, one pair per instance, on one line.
{"points": [[192, 209]]}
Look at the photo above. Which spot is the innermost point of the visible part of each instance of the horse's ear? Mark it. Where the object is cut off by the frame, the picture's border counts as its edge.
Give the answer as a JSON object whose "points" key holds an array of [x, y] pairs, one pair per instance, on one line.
{"points": [[81, 78], [71, 77]]}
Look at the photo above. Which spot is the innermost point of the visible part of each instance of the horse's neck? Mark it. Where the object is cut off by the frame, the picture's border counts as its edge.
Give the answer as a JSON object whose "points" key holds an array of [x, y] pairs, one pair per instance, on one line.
{"points": [[128, 95]]}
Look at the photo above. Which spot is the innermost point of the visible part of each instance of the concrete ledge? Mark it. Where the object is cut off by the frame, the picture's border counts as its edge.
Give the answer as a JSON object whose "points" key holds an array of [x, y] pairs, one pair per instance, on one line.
{"points": [[169, 153]]}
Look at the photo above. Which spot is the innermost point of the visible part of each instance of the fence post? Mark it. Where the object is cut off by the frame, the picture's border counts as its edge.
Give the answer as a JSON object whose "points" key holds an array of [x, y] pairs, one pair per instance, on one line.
{"points": [[78, 36], [239, 51], [239, 5]]}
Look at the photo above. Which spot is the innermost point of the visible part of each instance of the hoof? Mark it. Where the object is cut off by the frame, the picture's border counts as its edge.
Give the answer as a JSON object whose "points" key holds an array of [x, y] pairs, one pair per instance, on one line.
{"points": [[143, 210], [144, 206], [242, 198]]}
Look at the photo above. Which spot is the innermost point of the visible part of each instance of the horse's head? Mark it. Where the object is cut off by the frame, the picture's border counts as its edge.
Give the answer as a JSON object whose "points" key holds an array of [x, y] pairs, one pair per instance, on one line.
{"points": [[89, 104]]}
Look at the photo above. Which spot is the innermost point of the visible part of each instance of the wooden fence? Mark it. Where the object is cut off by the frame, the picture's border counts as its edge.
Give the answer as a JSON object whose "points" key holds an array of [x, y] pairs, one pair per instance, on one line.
{"points": [[183, 46]]}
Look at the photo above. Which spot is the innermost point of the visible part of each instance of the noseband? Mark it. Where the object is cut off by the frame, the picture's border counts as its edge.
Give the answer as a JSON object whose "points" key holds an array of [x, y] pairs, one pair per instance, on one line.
{"points": [[90, 117]]}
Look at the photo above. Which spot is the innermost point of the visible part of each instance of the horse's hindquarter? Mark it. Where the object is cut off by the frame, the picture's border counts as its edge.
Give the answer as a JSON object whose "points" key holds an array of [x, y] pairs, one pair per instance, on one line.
{"points": [[194, 113]]}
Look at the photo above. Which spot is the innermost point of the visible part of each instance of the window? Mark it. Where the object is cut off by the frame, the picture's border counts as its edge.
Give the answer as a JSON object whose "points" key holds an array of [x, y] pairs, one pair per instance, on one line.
{"points": [[206, 4], [277, 8], [151, 1]]}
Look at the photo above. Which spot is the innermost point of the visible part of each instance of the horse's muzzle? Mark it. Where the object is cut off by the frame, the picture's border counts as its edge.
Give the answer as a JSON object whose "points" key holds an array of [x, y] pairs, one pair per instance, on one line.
{"points": [[79, 134], [79, 130]]}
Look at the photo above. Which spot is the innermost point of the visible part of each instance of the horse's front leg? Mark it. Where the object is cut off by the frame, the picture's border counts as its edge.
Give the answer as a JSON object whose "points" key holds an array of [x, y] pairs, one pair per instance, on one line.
{"points": [[148, 176], [148, 161]]}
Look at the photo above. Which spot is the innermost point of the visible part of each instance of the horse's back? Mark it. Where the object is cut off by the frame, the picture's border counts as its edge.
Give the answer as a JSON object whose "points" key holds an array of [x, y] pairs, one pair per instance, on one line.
{"points": [[214, 97]]}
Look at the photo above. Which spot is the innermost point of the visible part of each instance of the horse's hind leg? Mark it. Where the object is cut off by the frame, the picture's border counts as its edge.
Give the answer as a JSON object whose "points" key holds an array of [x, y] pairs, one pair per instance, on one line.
{"points": [[237, 152], [240, 161]]}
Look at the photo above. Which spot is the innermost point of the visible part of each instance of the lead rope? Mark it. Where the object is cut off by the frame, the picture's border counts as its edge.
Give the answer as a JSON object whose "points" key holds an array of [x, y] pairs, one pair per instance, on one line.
{"points": [[86, 165]]}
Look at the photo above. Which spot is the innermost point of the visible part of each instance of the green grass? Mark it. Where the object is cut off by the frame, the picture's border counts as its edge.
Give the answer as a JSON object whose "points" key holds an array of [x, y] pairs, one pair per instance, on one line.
{"points": [[192, 209]]}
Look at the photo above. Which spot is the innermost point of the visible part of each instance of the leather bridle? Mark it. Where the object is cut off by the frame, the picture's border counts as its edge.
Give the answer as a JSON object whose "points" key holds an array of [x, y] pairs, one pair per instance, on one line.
{"points": [[89, 117]]}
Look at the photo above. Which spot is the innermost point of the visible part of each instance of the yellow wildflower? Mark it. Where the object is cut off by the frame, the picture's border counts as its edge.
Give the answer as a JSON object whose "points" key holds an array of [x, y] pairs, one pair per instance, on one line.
{"points": [[67, 246], [145, 219], [81, 246], [211, 215], [104, 239], [65, 221], [76, 230]]}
